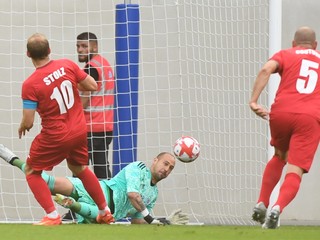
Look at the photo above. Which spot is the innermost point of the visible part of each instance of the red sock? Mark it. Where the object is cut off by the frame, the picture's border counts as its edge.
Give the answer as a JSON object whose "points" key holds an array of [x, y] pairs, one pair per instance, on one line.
{"points": [[288, 190], [41, 192], [271, 177], [92, 185]]}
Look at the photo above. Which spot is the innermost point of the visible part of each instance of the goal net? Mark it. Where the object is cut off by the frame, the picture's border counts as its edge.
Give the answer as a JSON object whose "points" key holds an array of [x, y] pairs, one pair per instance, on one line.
{"points": [[197, 62]]}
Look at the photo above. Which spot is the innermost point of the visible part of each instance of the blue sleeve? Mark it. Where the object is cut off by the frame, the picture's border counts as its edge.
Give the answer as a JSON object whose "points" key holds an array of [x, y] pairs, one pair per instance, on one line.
{"points": [[28, 104]]}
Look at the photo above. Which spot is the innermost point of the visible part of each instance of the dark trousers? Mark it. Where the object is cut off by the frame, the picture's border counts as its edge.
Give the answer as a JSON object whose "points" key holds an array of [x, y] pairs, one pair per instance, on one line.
{"points": [[98, 147]]}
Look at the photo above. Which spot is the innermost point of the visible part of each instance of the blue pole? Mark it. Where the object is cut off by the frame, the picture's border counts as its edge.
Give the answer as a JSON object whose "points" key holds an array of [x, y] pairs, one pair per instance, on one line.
{"points": [[126, 88]]}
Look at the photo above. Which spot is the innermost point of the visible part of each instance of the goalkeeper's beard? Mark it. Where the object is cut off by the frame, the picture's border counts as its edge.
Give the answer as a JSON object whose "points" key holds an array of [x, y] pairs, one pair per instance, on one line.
{"points": [[160, 176]]}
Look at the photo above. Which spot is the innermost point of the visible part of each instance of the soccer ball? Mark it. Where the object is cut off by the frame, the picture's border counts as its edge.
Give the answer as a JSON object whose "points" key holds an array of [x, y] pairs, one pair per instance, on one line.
{"points": [[186, 149]]}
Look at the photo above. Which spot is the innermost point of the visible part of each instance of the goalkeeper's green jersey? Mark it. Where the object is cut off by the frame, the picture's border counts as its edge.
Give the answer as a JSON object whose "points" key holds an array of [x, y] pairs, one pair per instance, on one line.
{"points": [[135, 177]]}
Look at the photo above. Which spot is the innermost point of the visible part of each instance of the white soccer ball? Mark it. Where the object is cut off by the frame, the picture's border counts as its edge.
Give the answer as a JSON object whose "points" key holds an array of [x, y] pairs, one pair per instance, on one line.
{"points": [[186, 149]]}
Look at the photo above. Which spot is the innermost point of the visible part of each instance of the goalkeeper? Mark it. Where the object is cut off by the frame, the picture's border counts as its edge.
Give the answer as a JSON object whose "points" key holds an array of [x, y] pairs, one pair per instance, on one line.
{"points": [[131, 193]]}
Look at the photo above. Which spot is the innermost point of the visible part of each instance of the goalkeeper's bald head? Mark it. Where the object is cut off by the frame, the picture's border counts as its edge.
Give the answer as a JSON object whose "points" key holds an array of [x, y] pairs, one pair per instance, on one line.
{"points": [[162, 166]]}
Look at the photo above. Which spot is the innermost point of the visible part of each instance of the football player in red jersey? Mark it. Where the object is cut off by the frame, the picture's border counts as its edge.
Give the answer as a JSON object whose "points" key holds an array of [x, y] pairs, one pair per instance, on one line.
{"points": [[52, 90], [294, 121]]}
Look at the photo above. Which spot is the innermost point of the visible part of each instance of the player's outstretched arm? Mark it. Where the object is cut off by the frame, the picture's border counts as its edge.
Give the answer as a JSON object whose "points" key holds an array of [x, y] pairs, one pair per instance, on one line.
{"points": [[136, 201]]}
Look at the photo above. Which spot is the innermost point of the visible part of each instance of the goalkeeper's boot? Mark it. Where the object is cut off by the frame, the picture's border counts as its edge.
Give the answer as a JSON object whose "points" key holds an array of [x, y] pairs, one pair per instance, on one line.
{"points": [[106, 218], [6, 154], [259, 213], [66, 202], [63, 201], [272, 218], [46, 221]]}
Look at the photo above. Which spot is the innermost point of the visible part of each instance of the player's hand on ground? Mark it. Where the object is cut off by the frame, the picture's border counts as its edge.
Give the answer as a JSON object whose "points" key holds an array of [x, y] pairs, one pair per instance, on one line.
{"points": [[160, 221], [177, 217], [259, 110]]}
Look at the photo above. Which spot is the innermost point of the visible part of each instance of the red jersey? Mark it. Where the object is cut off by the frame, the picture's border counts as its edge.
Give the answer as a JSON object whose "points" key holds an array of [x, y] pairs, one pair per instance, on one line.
{"points": [[299, 89], [54, 88]]}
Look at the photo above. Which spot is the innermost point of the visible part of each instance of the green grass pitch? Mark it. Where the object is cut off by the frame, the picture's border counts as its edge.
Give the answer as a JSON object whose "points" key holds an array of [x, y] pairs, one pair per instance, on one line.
{"points": [[145, 232]]}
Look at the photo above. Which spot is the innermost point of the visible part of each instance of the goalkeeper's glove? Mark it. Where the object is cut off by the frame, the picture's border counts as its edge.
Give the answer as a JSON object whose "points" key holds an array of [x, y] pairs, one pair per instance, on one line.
{"points": [[177, 217]]}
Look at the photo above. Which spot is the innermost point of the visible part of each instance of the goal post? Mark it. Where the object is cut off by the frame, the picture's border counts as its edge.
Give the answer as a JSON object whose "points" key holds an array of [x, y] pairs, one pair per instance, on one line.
{"points": [[275, 30], [197, 63], [127, 85]]}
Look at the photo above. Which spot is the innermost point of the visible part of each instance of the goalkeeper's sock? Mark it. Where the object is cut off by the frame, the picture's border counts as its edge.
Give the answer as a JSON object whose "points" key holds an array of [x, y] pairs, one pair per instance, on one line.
{"points": [[85, 210], [50, 180], [271, 177], [288, 190], [22, 164], [19, 164], [74, 194], [92, 185]]}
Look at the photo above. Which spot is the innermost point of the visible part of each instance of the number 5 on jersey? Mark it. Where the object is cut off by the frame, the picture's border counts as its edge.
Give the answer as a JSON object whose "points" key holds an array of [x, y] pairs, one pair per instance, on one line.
{"points": [[307, 70]]}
